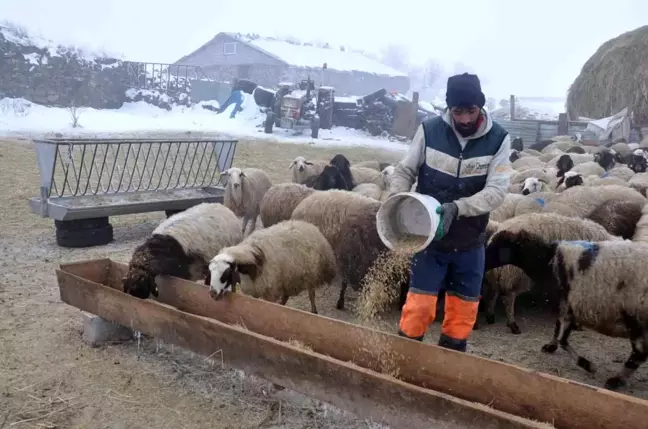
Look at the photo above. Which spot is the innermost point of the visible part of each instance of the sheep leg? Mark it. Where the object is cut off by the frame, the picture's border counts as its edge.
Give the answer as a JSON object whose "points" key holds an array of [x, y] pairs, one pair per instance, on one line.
{"points": [[340, 303], [639, 342], [564, 327], [311, 296], [253, 226], [509, 304], [491, 302], [284, 299], [245, 224]]}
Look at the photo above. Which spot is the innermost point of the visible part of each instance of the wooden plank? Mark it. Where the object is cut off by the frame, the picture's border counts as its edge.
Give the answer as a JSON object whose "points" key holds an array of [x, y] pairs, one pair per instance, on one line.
{"points": [[361, 391], [509, 388]]}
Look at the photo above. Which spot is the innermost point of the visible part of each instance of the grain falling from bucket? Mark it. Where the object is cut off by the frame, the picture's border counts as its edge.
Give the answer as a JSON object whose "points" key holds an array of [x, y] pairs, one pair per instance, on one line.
{"points": [[408, 244], [381, 285]]}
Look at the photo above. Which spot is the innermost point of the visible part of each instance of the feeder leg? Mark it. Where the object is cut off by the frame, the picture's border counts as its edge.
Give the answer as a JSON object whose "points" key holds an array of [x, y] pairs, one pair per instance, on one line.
{"points": [[97, 331]]}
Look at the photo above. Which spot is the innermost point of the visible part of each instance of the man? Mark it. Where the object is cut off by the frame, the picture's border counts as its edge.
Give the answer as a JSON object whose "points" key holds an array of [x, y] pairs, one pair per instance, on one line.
{"points": [[462, 160]]}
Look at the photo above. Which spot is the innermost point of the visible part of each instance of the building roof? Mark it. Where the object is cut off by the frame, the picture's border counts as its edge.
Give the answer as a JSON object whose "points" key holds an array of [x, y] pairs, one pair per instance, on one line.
{"points": [[308, 56]]}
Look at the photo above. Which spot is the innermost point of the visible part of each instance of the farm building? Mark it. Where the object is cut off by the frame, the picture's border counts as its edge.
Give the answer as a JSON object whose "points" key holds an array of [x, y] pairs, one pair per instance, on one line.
{"points": [[268, 61]]}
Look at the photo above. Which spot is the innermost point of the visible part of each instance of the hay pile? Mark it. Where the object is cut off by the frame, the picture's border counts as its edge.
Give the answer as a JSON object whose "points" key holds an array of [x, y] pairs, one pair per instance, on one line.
{"points": [[615, 77]]}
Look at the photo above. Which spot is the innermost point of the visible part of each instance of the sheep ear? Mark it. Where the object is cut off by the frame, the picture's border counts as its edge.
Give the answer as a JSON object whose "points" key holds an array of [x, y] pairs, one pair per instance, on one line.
{"points": [[253, 269], [242, 174], [543, 181], [308, 163], [560, 182], [292, 164], [225, 173]]}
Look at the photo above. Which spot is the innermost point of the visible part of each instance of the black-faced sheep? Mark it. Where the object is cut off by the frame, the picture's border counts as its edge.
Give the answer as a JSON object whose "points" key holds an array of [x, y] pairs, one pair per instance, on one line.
{"points": [[638, 161], [606, 158], [571, 179], [514, 155], [302, 169], [275, 263], [517, 144], [244, 191], [348, 221], [279, 202], [331, 178], [182, 246], [601, 289], [509, 281]]}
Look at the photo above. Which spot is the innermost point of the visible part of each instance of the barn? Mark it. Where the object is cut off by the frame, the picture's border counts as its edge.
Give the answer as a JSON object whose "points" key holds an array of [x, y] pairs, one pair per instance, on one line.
{"points": [[269, 61]]}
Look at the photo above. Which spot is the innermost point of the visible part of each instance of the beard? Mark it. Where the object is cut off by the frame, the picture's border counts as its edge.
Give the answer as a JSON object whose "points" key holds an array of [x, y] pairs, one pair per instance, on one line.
{"points": [[466, 130]]}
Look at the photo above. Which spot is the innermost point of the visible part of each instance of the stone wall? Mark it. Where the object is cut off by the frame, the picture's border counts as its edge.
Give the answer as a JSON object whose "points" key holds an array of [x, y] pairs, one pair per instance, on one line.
{"points": [[58, 76]]}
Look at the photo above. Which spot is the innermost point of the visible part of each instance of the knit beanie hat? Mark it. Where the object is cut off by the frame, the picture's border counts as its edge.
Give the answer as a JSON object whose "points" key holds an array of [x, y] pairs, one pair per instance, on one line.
{"points": [[464, 90]]}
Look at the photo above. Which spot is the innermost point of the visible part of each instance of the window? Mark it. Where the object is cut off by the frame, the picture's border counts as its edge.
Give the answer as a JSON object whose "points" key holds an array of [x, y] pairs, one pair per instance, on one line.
{"points": [[229, 48]]}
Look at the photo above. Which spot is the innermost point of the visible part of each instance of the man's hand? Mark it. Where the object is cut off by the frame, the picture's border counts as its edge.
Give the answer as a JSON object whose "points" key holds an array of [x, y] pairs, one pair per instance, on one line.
{"points": [[448, 213]]}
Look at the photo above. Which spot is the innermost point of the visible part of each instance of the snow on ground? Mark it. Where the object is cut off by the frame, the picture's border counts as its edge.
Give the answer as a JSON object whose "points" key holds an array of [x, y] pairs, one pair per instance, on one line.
{"points": [[22, 118]]}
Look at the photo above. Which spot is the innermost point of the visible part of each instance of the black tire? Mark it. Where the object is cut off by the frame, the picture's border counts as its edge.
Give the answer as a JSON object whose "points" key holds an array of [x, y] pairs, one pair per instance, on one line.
{"points": [[81, 224], [84, 237]]}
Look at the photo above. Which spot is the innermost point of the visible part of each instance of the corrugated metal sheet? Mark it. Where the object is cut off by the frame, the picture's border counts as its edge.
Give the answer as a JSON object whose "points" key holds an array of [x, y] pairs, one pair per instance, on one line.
{"points": [[527, 130], [548, 131]]}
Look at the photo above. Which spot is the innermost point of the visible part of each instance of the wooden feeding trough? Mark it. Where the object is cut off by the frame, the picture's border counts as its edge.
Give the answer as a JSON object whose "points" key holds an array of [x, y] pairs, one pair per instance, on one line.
{"points": [[373, 374]]}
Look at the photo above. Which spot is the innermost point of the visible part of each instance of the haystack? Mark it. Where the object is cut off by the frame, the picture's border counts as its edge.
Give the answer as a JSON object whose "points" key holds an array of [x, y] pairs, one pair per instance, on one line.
{"points": [[616, 76]]}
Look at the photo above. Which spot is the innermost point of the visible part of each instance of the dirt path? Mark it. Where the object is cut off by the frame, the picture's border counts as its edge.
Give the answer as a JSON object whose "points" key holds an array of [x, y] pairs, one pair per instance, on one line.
{"points": [[50, 379]]}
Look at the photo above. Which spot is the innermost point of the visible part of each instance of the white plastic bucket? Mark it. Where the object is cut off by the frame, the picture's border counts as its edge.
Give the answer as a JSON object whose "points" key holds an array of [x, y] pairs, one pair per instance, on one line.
{"points": [[408, 213]]}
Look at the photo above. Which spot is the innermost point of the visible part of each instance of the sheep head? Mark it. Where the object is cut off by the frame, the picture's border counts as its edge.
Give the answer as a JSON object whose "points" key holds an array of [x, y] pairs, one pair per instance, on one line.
{"points": [[387, 175], [235, 182], [564, 164], [300, 163], [571, 179], [606, 158], [532, 184], [226, 268], [517, 144], [514, 156], [330, 178], [638, 161], [139, 283]]}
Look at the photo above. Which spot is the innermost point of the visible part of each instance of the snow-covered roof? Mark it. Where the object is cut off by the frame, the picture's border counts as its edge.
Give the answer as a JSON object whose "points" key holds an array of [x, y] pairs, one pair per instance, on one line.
{"points": [[309, 56]]}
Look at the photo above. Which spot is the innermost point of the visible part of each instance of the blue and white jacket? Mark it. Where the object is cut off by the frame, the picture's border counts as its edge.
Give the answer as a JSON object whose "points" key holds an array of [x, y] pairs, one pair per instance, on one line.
{"points": [[474, 172]]}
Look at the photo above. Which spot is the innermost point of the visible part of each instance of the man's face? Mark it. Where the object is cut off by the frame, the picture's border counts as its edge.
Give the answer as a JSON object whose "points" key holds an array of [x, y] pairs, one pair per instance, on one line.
{"points": [[465, 119]]}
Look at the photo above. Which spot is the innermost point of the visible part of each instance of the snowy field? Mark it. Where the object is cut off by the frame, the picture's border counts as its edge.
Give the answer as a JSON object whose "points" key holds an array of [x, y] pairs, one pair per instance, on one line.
{"points": [[23, 119]]}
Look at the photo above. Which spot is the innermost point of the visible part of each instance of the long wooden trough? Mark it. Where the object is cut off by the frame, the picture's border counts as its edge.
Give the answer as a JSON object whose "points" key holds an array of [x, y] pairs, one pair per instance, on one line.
{"points": [[370, 373]]}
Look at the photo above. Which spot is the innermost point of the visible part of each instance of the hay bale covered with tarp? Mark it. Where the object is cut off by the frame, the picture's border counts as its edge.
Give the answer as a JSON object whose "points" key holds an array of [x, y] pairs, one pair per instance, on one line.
{"points": [[615, 77]]}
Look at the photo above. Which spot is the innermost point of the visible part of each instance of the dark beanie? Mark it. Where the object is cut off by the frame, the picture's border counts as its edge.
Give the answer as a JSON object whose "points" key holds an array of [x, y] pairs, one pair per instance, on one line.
{"points": [[464, 90]]}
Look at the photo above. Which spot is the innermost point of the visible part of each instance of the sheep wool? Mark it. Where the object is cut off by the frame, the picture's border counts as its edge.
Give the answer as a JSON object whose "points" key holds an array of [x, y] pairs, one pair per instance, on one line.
{"points": [[621, 171], [538, 173], [533, 184], [618, 217], [509, 281], [641, 231], [621, 148], [279, 202], [244, 191], [181, 246], [534, 202], [602, 285], [589, 168], [506, 210], [374, 164], [275, 263], [580, 201], [366, 175], [370, 190], [303, 169], [526, 163], [639, 182]]}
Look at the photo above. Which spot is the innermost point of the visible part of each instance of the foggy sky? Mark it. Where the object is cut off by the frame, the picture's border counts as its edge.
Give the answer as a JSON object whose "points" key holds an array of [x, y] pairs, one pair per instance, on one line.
{"points": [[524, 48]]}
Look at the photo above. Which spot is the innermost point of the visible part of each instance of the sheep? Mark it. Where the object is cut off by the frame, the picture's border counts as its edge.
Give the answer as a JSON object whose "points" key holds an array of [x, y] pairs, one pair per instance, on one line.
{"points": [[331, 178], [279, 202], [576, 149], [517, 144], [521, 176], [641, 231], [620, 171], [366, 175], [275, 263], [566, 162], [302, 169], [181, 246], [621, 148], [506, 210], [618, 217], [638, 161], [541, 144], [244, 191], [387, 174], [534, 202], [344, 166], [601, 287], [562, 145], [603, 181], [549, 157], [370, 190], [639, 182], [582, 200], [588, 169], [531, 152], [348, 221], [514, 156], [533, 184], [606, 158], [570, 179], [510, 281], [527, 162], [374, 165]]}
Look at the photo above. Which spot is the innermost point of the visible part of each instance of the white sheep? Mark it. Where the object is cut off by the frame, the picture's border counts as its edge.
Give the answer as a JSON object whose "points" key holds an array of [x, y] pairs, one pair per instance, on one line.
{"points": [[275, 263], [639, 182], [506, 210], [370, 190], [279, 202], [387, 174], [244, 191], [533, 184], [534, 202], [620, 171], [375, 165], [526, 163], [303, 169], [579, 201], [603, 289], [509, 281], [589, 168], [182, 246], [366, 175]]}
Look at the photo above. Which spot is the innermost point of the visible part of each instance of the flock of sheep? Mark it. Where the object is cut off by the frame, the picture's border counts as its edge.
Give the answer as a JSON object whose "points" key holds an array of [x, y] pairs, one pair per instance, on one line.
{"points": [[321, 228]]}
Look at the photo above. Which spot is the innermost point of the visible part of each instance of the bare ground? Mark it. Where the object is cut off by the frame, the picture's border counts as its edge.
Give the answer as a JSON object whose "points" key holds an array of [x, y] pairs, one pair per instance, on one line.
{"points": [[49, 378]]}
